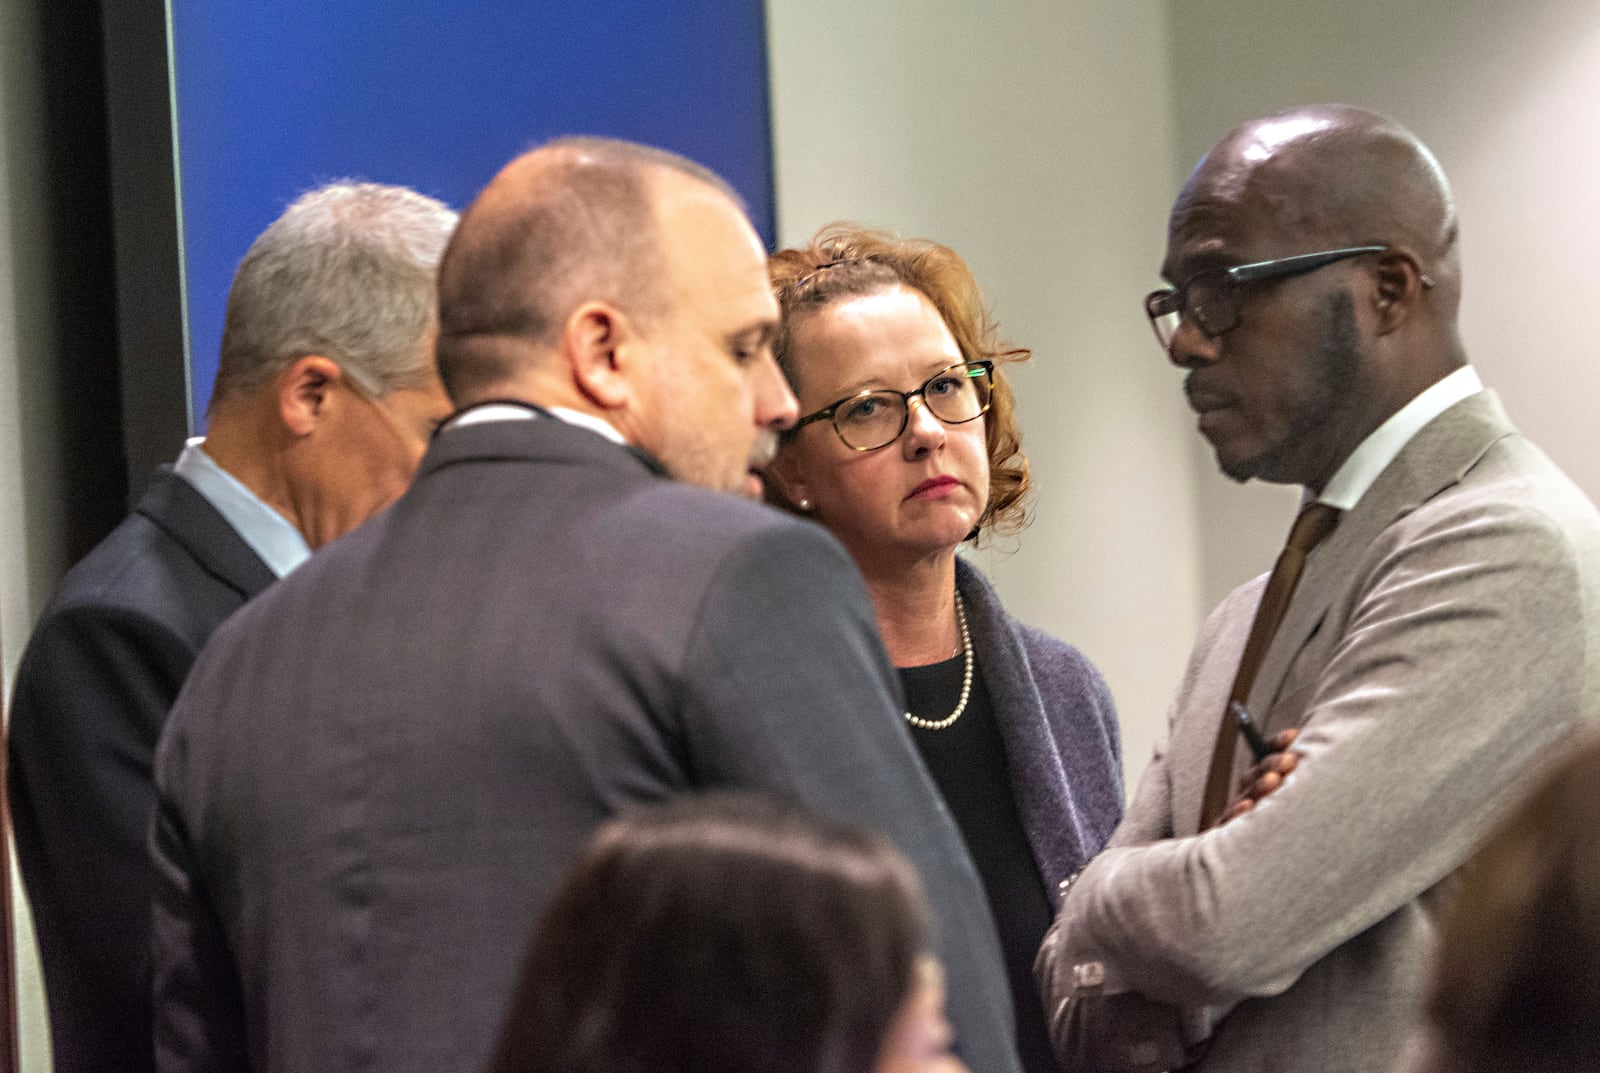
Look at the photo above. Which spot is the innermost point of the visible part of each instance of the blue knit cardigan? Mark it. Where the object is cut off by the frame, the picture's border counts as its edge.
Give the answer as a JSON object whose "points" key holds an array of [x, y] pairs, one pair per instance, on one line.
{"points": [[1059, 728]]}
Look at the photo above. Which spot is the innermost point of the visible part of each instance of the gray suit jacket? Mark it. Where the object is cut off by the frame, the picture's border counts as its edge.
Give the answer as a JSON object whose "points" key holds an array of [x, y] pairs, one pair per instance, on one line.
{"points": [[1446, 633], [374, 778]]}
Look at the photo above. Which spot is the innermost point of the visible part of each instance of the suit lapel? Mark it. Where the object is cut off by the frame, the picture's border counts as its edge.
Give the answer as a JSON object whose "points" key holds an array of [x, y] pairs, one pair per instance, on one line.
{"points": [[174, 505], [1436, 458]]}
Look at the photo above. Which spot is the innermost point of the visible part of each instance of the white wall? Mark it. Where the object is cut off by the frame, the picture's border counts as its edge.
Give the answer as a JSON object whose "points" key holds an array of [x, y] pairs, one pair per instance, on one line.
{"points": [[1505, 95], [31, 526], [1034, 139]]}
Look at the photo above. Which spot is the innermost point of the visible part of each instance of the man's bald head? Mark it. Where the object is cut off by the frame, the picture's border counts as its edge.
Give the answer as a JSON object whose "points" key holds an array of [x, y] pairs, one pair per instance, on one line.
{"points": [[1331, 176], [1291, 369], [570, 222]]}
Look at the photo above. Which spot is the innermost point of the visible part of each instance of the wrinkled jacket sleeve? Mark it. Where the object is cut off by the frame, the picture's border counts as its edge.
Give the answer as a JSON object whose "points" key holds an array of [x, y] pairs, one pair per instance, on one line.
{"points": [[1420, 699]]}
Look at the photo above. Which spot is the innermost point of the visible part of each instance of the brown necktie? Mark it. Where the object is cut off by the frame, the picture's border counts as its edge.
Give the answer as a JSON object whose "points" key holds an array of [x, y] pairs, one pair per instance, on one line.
{"points": [[1315, 522]]}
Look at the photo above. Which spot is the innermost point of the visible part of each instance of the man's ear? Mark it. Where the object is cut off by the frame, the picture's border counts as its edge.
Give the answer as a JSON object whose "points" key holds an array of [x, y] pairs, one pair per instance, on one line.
{"points": [[599, 341], [303, 392], [1400, 283]]}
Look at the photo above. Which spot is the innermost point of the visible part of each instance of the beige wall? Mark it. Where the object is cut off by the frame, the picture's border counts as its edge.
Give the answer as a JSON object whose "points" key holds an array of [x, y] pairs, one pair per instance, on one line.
{"points": [[1034, 138], [31, 487]]}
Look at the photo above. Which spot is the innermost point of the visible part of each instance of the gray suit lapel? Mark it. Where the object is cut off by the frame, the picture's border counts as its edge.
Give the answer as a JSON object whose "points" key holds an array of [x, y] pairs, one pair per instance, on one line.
{"points": [[1436, 458]]}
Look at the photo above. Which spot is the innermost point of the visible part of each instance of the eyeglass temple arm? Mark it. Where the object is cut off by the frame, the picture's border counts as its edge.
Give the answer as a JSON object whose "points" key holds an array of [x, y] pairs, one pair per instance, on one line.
{"points": [[1304, 263]]}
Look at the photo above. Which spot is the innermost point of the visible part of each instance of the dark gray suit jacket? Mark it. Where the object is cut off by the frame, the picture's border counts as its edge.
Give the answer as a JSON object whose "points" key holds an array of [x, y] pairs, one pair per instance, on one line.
{"points": [[101, 670], [376, 774]]}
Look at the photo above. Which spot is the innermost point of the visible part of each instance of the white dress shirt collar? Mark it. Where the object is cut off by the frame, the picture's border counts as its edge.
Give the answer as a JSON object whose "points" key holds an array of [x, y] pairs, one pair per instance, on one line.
{"points": [[1351, 480], [499, 411]]}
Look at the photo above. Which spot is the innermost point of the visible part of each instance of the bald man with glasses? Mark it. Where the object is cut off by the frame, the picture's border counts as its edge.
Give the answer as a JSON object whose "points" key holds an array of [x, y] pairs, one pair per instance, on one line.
{"points": [[1430, 628]]}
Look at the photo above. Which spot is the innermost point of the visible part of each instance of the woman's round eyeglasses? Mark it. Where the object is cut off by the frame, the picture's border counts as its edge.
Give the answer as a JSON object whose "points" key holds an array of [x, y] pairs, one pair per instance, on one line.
{"points": [[869, 420]]}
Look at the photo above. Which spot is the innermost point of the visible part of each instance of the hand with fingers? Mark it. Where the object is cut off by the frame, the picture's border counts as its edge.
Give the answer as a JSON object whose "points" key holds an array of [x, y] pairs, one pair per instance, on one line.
{"points": [[1266, 776]]}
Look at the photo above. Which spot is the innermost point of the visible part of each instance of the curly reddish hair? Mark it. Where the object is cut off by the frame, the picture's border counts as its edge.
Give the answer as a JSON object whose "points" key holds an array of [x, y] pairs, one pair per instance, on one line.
{"points": [[845, 260]]}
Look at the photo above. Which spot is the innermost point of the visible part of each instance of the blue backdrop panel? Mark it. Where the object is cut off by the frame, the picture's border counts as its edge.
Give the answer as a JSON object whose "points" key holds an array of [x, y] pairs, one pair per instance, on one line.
{"points": [[277, 96]]}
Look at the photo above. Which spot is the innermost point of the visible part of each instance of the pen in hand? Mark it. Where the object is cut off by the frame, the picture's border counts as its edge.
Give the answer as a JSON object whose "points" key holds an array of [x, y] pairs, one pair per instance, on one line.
{"points": [[1258, 745]]}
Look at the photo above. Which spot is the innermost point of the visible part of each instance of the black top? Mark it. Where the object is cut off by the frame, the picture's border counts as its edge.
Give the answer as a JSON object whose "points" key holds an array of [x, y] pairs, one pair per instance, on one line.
{"points": [[968, 762]]}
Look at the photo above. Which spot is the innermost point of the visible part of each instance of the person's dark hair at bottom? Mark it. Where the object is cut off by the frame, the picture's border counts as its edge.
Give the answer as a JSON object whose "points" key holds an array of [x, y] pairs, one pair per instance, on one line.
{"points": [[1517, 982], [723, 933]]}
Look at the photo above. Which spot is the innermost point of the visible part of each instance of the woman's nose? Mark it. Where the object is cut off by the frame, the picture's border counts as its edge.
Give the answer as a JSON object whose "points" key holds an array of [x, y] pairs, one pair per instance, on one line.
{"points": [[924, 432]]}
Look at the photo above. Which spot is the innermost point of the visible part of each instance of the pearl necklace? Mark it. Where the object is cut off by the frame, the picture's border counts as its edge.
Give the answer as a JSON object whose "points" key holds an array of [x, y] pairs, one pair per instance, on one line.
{"points": [[966, 677]]}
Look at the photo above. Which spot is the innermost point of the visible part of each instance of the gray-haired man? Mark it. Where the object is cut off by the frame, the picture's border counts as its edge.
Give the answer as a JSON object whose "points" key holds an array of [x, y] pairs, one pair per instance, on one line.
{"points": [[324, 399]]}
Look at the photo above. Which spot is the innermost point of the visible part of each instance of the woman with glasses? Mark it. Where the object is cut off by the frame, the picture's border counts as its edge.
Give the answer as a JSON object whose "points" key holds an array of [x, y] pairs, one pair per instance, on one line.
{"points": [[908, 446]]}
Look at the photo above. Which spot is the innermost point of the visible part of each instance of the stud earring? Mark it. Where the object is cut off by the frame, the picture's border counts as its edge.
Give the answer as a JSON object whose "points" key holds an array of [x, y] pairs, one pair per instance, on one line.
{"points": [[804, 505]]}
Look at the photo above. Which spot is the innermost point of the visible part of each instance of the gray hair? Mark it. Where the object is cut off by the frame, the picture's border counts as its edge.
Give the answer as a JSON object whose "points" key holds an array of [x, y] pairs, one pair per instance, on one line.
{"points": [[349, 272]]}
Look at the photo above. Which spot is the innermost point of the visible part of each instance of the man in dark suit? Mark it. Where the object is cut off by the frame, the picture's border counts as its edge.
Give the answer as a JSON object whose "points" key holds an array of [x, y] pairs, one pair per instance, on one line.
{"points": [[379, 770], [324, 398]]}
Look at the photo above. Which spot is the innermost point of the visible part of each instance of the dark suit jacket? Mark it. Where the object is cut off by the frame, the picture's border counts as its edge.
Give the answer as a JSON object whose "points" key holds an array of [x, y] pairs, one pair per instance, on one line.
{"points": [[377, 772], [104, 665]]}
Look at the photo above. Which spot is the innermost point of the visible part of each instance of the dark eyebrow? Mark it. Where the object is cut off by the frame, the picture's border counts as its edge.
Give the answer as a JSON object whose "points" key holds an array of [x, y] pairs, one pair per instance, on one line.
{"points": [[859, 387], [757, 335], [870, 383], [1209, 261], [1198, 257]]}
